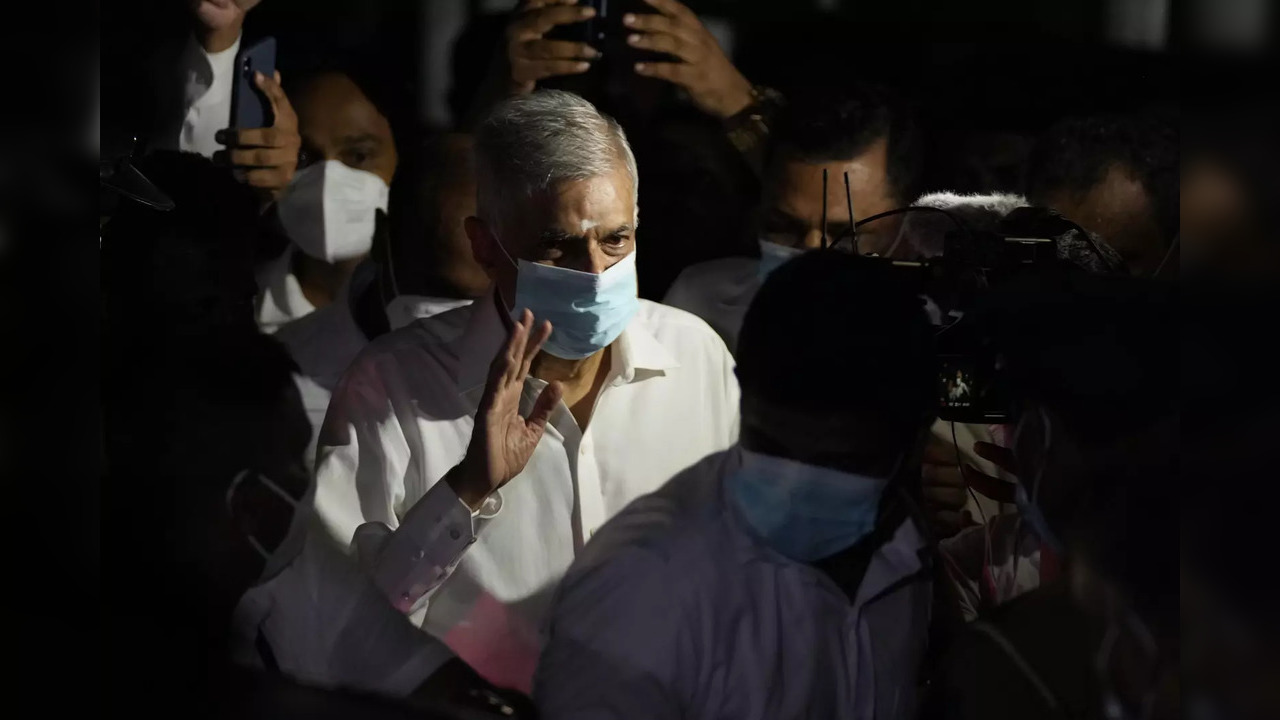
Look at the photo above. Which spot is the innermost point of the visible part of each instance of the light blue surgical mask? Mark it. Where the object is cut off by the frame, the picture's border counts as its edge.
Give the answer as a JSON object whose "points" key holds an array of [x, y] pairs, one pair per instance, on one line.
{"points": [[773, 255], [806, 512], [587, 311]]}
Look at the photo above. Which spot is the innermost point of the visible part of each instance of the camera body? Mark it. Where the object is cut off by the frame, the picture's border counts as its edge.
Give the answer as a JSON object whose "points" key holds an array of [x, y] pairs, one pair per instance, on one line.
{"points": [[970, 380]]}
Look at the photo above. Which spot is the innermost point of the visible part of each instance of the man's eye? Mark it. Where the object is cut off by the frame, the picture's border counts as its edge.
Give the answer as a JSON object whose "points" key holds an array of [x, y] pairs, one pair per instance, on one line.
{"points": [[616, 240]]}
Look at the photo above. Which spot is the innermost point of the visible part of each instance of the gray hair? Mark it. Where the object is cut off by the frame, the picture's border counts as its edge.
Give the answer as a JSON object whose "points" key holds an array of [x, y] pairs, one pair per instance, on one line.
{"points": [[529, 143]]}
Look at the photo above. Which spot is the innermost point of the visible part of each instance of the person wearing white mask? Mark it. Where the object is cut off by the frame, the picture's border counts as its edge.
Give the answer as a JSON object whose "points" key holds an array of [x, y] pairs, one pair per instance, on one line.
{"points": [[468, 472], [420, 266], [787, 577], [329, 209]]}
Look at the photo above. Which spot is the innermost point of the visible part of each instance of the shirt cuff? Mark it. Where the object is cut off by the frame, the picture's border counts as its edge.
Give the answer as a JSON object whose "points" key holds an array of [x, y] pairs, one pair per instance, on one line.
{"points": [[427, 546]]}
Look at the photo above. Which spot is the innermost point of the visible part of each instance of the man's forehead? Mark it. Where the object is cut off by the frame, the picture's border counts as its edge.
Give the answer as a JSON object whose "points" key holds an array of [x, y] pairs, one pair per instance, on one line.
{"points": [[606, 202]]}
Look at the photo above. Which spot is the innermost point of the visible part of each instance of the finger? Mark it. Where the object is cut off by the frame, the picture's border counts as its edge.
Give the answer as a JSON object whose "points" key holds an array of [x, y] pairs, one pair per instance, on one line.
{"points": [[672, 72], [948, 475], [270, 86], [268, 137], [940, 498], [271, 178], [947, 522], [556, 50], [535, 23], [546, 404], [259, 157], [650, 23], [987, 486], [940, 452], [1001, 457], [537, 337], [671, 8], [519, 339], [670, 44], [535, 4], [538, 70], [504, 358]]}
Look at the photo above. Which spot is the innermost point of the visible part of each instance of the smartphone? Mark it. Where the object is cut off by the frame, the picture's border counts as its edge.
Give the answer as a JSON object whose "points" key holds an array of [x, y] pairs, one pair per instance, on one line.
{"points": [[249, 106], [606, 33]]}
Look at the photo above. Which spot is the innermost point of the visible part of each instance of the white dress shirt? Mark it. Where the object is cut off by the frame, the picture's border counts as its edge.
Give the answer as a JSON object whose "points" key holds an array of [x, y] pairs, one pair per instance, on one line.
{"points": [[720, 291], [325, 342], [280, 298], [677, 609], [208, 80], [402, 417]]}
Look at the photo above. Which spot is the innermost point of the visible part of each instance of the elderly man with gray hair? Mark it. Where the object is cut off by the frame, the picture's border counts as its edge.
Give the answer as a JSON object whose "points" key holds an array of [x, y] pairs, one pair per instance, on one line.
{"points": [[468, 467]]}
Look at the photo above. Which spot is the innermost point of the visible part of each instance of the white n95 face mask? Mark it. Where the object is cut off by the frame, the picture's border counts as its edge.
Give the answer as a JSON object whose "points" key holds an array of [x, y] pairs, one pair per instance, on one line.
{"points": [[328, 210]]}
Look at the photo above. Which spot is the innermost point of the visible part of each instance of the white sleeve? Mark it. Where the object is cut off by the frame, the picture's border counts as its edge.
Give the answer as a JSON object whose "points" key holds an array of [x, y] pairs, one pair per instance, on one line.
{"points": [[327, 625], [360, 469], [618, 644]]}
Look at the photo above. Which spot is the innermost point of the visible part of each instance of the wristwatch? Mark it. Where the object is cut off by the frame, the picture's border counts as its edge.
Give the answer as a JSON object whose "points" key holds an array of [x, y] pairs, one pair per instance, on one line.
{"points": [[748, 129]]}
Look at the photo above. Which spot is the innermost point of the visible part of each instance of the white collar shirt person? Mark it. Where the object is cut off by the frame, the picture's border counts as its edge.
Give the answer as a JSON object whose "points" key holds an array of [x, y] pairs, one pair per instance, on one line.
{"points": [[540, 430], [786, 578]]}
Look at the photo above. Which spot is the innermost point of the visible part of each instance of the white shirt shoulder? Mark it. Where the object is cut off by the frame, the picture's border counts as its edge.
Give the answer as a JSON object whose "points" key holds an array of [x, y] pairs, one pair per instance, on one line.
{"points": [[719, 292]]}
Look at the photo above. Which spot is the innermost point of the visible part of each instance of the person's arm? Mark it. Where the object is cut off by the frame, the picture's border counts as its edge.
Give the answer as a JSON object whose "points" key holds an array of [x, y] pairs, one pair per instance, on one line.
{"points": [[410, 557], [620, 644]]}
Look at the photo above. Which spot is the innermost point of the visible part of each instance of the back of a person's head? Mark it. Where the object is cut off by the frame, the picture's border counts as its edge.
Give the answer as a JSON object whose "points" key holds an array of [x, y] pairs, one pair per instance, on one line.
{"points": [[427, 166], [832, 126], [170, 271], [832, 333], [1077, 153]]}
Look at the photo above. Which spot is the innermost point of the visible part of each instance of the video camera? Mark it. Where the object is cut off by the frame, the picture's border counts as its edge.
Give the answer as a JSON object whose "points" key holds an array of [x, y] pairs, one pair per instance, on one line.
{"points": [[1026, 243]]}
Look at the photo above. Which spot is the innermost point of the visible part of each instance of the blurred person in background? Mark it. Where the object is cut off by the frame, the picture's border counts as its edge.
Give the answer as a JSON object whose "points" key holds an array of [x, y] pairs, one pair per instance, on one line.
{"points": [[860, 133], [205, 424], [788, 576], [493, 480], [1228, 196], [189, 97], [328, 211], [421, 266], [1116, 176]]}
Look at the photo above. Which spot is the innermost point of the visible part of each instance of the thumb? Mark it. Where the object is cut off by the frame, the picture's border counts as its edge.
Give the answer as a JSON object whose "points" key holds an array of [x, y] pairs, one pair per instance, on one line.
{"points": [[546, 404], [1002, 457]]}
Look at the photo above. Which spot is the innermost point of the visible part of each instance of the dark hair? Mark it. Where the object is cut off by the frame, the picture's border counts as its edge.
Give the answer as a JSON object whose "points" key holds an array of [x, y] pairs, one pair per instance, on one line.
{"points": [[830, 126], [833, 332], [388, 98], [188, 268], [1075, 154]]}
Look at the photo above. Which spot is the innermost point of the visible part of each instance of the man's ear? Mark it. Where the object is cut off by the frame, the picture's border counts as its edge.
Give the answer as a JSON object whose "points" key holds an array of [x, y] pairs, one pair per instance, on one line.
{"points": [[483, 243]]}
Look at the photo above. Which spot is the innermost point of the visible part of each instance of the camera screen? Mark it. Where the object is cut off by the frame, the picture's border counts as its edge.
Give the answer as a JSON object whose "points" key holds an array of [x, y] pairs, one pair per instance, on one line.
{"points": [[956, 382], [968, 390]]}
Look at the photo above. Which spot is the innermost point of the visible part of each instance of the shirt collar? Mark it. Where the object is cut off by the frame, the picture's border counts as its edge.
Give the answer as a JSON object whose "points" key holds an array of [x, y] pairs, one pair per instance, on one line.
{"points": [[637, 354]]}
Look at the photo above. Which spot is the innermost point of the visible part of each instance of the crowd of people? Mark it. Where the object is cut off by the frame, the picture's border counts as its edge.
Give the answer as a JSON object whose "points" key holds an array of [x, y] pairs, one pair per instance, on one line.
{"points": [[412, 427]]}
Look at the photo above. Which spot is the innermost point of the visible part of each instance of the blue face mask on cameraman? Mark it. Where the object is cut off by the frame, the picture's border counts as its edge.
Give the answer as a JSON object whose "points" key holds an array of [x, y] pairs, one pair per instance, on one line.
{"points": [[806, 512], [773, 255], [587, 311]]}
